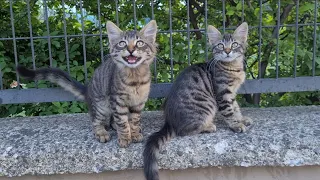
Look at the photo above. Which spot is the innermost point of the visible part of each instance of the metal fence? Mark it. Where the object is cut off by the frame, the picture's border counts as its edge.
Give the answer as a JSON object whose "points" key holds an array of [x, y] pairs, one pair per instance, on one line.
{"points": [[258, 85]]}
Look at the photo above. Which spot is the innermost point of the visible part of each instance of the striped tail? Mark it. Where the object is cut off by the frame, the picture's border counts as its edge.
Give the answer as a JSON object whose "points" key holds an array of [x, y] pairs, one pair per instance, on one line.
{"points": [[57, 76], [151, 151]]}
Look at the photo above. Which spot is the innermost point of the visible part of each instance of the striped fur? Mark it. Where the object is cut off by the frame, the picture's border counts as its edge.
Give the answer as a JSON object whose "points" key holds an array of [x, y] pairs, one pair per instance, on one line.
{"points": [[120, 86], [55, 76], [201, 91]]}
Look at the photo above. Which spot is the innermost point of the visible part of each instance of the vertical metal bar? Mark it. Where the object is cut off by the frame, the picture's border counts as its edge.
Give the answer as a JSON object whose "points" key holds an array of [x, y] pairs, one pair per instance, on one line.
{"points": [[278, 29], [48, 30], [14, 41], [170, 30], [314, 38], [206, 24], [31, 38], [1, 84], [242, 13], [83, 45], [65, 36], [152, 10], [155, 58], [224, 15], [134, 14], [117, 15], [188, 31], [260, 32], [100, 31], [296, 40]]}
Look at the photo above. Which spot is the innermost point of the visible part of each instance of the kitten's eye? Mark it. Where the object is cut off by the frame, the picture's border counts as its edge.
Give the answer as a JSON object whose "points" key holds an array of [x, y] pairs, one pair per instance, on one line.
{"points": [[220, 46], [234, 45], [122, 44], [140, 43]]}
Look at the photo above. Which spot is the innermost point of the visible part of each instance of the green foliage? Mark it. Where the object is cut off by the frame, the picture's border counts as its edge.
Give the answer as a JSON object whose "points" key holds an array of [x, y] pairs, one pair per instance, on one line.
{"points": [[179, 48]]}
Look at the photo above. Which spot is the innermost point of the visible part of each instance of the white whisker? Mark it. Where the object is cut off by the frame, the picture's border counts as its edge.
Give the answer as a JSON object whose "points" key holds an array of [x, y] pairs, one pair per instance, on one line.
{"points": [[212, 64]]}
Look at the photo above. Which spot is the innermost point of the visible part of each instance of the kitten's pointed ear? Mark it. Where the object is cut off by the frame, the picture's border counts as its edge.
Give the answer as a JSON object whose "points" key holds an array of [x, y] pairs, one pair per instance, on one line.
{"points": [[150, 31], [214, 34], [241, 33], [113, 32]]}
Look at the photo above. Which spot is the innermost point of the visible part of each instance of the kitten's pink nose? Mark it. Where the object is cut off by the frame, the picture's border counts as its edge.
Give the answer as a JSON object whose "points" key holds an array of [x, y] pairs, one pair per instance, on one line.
{"points": [[227, 50], [131, 47]]}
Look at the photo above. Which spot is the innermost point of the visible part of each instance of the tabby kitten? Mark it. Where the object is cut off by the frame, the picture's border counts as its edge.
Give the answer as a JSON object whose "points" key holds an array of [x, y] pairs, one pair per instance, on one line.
{"points": [[120, 86], [201, 91]]}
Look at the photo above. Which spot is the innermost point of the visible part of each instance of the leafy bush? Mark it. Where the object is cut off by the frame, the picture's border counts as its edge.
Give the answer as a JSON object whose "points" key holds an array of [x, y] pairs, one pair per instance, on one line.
{"points": [[286, 43]]}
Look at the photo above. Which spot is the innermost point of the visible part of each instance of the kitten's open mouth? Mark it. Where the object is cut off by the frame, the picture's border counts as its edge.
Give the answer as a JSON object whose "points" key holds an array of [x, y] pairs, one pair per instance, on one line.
{"points": [[131, 59]]}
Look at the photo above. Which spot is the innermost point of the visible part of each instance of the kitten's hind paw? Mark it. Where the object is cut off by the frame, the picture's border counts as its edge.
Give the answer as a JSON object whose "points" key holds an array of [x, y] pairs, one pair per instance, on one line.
{"points": [[102, 135], [209, 128]]}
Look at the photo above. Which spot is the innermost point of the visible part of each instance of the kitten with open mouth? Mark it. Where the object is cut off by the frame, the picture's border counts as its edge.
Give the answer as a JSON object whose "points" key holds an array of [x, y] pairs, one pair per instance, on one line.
{"points": [[131, 59], [120, 86]]}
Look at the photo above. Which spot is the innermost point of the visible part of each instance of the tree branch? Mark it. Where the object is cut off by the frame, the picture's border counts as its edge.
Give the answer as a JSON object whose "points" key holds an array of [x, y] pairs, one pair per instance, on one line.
{"points": [[268, 49], [193, 16]]}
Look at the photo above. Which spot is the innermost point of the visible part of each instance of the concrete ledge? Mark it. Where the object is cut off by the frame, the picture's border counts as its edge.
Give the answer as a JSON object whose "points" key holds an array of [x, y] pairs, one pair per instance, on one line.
{"points": [[287, 136], [209, 173]]}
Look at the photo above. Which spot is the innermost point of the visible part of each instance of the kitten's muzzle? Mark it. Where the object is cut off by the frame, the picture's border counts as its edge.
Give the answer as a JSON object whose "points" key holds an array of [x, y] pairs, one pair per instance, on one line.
{"points": [[131, 59]]}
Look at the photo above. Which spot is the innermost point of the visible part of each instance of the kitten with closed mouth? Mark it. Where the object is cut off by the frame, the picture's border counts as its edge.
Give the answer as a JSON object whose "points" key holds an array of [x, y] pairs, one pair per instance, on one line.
{"points": [[202, 91]]}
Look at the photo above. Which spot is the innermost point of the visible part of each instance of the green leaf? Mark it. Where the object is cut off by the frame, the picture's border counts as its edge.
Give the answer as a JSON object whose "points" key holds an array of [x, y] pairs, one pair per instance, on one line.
{"points": [[54, 33], [309, 64], [42, 85], [239, 6], [230, 12], [309, 54], [56, 44], [61, 56], [318, 60], [13, 109], [7, 69], [57, 104], [80, 77], [306, 7], [74, 47], [60, 110], [54, 63], [76, 110]]}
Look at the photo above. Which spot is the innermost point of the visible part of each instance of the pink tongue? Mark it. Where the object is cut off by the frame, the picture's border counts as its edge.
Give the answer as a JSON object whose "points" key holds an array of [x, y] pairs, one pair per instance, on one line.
{"points": [[132, 59]]}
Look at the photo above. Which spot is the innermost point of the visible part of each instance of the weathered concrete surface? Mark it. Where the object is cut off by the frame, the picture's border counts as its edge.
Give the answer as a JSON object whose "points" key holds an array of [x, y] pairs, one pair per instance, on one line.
{"points": [[208, 173], [65, 144]]}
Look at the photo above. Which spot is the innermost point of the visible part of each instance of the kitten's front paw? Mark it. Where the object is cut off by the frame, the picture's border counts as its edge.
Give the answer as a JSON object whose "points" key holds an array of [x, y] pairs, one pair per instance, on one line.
{"points": [[137, 137], [102, 135], [246, 121], [124, 142], [238, 127]]}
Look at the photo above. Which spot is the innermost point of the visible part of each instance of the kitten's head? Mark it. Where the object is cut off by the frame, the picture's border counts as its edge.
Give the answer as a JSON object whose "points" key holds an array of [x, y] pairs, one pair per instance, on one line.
{"points": [[132, 48], [228, 47]]}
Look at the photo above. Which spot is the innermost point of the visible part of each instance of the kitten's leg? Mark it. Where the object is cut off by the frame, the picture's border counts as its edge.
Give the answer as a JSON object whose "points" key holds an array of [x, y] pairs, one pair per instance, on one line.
{"points": [[195, 127], [100, 114], [208, 125], [120, 118], [135, 116], [233, 118], [198, 123], [244, 119]]}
